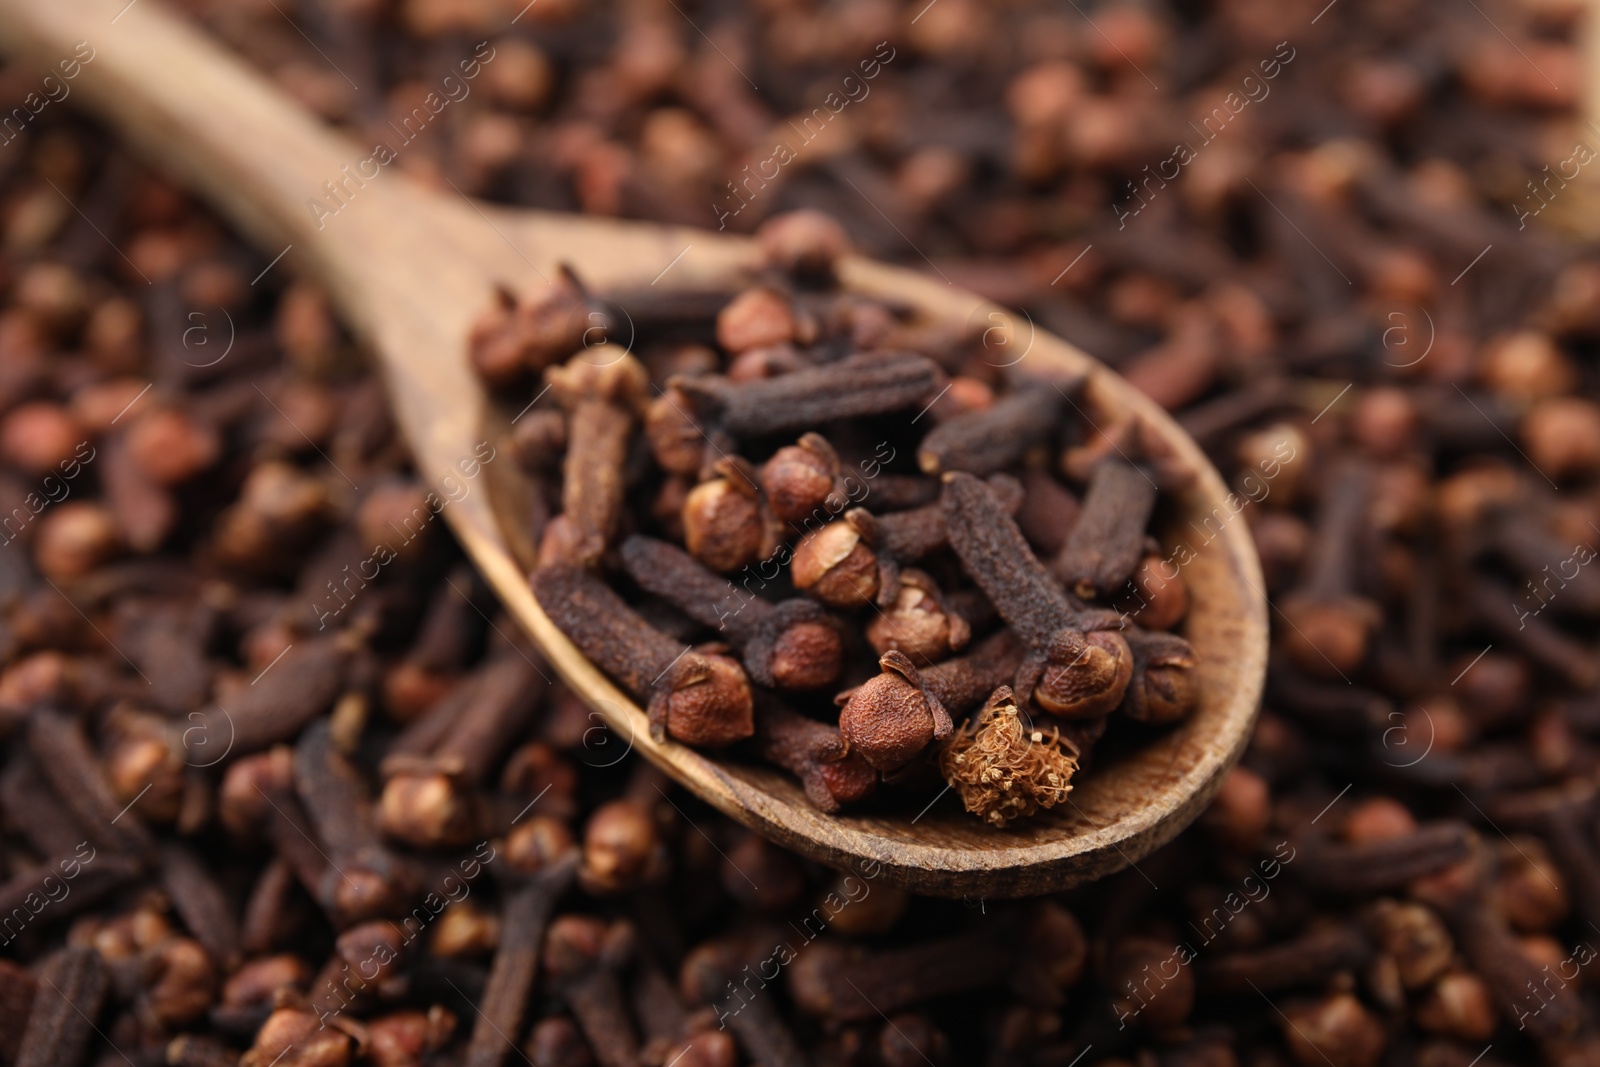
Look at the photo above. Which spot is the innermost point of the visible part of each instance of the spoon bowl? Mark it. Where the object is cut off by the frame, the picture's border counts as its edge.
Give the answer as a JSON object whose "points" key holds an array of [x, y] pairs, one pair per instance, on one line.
{"points": [[410, 268]]}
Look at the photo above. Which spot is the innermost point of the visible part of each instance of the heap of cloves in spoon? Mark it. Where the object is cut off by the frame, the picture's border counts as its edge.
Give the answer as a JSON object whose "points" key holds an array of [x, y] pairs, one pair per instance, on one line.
{"points": [[741, 507]]}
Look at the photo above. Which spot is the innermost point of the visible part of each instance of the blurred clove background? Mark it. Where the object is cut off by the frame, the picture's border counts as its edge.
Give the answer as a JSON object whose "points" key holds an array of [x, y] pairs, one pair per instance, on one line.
{"points": [[237, 831]]}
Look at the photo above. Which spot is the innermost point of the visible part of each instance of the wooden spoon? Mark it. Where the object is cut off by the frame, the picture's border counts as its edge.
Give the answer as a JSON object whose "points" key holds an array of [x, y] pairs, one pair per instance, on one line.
{"points": [[410, 268]]}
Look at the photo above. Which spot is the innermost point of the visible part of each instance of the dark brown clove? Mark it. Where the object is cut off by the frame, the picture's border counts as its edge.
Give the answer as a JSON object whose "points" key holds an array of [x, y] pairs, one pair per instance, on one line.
{"points": [[1108, 539], [274, 707], [1164, 687], [365, 878], [1379, 866], [992, 439], [622, 848], [676, 440], [710, 972], [268, 908], [964, 682], [697, 698], [892, 718], [855, 387], [919, 622], [841, 984], [1074, 667], [726, 522], [539, 863], [832, 774], [899, 712], [583, 958], [857, 560], [1462, 894], [804, 479], [1306, 960], [1329, 625], [200, 902], [1494, 604], [427, 798], [1563, 817], [72, 989], [603, 390], [516, 334], [789, 645], [63, 756]]}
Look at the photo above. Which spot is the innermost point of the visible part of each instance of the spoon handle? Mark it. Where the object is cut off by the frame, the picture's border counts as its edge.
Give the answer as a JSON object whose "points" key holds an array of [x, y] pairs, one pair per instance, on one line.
{"points": [[222, 128]]}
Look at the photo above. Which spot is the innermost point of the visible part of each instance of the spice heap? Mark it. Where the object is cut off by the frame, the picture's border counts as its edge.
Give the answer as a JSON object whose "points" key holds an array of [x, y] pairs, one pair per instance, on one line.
{"points": [[1405, 868], [814, 486]]}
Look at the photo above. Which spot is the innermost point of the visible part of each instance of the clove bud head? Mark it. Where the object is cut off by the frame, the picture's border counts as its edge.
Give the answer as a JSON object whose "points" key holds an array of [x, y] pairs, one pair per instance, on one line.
{"points": [[676, 440], [802, 242], [1329, 635], [807, 655], [314, 1044], [538, 842], [835, 565], [576, 945], [918, 623], [425, 810], [606, 372], [891, 718], [1003, 770], [849, 780], [703, 701], [1165, 688], [722, 524], [802, 479], [1085, 674], [622, 848]]}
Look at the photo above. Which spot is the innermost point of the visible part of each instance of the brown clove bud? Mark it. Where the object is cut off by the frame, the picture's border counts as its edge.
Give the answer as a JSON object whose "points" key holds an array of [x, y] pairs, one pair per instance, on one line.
{"points": [[919, 622], [891, 718], [804, 242], [516, 335], [854, 387], [698, 698], [1004, 770], [857, 560], [803, 479], [993, 438], [791, 645], [622, 848], [1076, 668], [583, 958], [726, 524], [1164, 687], [1108, 540], [602, 390], [832, 773], [676, 440]]}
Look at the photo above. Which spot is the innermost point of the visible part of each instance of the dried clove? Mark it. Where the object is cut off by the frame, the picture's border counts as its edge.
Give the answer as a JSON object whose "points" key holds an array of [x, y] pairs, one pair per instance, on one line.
{"points": [[1003, 770], [855, 387], [73, 987], [991, 440], [832, 772], [602, 390], [1073, 668], [539, 865], [789, 645], [699, 698], [583, 958], [1107, 541]]}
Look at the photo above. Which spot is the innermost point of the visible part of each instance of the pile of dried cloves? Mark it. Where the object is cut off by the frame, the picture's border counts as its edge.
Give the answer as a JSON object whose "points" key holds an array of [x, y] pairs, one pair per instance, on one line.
{"points": [[774, 510], [1341, 284]]}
